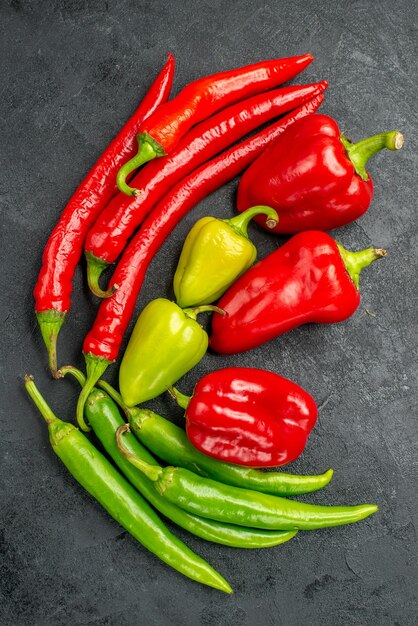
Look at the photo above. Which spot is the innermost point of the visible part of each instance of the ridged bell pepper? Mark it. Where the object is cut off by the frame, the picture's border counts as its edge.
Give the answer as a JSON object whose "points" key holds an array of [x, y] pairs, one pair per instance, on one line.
{"points": [[249, 417], [313, 176], [166, 342], [311, 278], [214, 254]]}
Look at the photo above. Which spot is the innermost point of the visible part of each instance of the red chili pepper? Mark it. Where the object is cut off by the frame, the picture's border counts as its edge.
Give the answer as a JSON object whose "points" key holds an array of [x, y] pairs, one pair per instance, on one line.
{"points": [[201, 99], [311, 278], [102, 343], [248, 417], [118, 221], [313, 176], [65, 244]]}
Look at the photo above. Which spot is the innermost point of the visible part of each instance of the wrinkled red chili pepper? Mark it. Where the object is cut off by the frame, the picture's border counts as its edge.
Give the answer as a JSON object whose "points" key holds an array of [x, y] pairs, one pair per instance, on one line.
{"points": [[249, 417], [102, 343], [118, 221], [310, 278], [313, 176], [201, 99], [65, 244]]}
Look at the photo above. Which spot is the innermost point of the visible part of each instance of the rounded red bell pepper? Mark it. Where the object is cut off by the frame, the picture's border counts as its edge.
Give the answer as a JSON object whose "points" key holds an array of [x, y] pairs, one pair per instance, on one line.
{"points": [[313, 176], [311, 278], [249, 417]]}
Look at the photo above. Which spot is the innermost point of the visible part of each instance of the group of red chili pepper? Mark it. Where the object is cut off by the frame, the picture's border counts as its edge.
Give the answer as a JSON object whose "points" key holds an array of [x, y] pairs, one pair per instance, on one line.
{"points": [[304, 178]]}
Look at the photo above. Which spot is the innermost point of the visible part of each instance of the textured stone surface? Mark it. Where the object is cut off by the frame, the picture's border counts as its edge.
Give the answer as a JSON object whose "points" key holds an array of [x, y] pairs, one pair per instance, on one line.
{"points": [[72, 72]]}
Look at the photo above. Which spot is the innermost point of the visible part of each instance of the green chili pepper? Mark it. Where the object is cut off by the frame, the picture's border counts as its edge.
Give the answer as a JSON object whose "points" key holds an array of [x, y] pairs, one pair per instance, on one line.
{"points": [[215, 253], [94, 472], [166, 342], [104, 418], [233, 505], [170, 443]]}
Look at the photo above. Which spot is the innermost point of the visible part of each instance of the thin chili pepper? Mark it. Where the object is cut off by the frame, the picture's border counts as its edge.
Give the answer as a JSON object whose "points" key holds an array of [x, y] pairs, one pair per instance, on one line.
{"points": [[233, 505], [94, 472], [201, 99], [118, 221], [102, 343], [170, 443], [65, 244], [104, 417]]}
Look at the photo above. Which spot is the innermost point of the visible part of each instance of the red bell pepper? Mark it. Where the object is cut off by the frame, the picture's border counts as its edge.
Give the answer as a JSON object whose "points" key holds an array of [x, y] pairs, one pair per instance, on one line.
{"points": [[313, 176], [249, 417], [311, 278]]}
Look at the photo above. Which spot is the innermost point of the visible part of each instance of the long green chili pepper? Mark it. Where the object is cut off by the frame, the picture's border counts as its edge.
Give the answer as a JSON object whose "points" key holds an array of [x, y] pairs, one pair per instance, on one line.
{"points": [[170, 443], [94, 472], [209, 498], [104, 418]]}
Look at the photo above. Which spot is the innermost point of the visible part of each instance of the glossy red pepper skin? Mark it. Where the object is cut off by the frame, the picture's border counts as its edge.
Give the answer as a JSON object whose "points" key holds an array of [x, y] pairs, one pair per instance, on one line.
{"points": [[250, 417], [205, 96], [65, 244], [118, 221], [114, 314], [308, 177], [102, 343], [306, 280]]}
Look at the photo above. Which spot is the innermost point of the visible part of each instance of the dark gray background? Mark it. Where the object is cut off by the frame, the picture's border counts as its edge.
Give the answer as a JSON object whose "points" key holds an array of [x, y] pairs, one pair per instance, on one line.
{"points": [[72, 72]]}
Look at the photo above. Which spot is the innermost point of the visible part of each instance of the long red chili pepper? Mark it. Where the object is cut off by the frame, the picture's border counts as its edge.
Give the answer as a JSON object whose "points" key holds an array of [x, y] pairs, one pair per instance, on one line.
{"points": [[201, 99], [118, 221], [102, 343], [65, 244]]}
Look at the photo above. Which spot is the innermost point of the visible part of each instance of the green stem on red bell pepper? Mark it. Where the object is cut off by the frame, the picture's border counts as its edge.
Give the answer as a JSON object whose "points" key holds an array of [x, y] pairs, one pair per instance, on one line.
{"points": [[357, 261], [181, 399], [359, 153]]}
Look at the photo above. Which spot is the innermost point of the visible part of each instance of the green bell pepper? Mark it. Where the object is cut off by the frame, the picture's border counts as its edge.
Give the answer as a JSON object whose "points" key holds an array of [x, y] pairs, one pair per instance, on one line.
{"points": [[166, 342]]}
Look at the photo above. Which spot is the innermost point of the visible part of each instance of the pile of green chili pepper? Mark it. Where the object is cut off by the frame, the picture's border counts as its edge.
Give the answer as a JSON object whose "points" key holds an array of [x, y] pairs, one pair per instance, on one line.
{"points": [[239, 419]]}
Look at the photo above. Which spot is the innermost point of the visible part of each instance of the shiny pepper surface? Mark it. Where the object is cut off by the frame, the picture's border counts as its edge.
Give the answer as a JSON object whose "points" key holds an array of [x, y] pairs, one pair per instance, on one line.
{"points": [[313, 176], [165, 344], [250, 417], [311, 278], [214, 254]]}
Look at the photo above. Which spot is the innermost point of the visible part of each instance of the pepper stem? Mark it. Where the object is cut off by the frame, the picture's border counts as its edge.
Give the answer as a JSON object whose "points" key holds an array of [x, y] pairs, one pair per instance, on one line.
{"points": [[240, 222], [95, 367], [193, 312], [39, 401], [69, 369], [50, 323], [153, 472], [181, 399], [356, 261], [359, 153], [148, 149], [95, 268]]}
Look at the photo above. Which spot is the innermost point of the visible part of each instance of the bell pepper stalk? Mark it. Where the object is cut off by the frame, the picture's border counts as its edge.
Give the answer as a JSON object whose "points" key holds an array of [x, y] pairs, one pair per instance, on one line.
{"points": [[314, 176], [214, 254], [311, 278], [166, 342], [248, 416]]}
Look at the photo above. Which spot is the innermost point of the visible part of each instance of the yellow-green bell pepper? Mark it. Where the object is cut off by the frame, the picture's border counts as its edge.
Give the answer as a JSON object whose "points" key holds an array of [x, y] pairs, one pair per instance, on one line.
{"points": [[215, 253], [166, 342]]}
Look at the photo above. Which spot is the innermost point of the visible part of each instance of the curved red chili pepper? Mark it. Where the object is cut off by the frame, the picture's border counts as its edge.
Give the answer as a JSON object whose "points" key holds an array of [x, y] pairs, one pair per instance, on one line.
{"points": [[201, 99], [310, 278], [313, 176], [250, 417], [65, 244], [102, 343], [118, 221]]}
